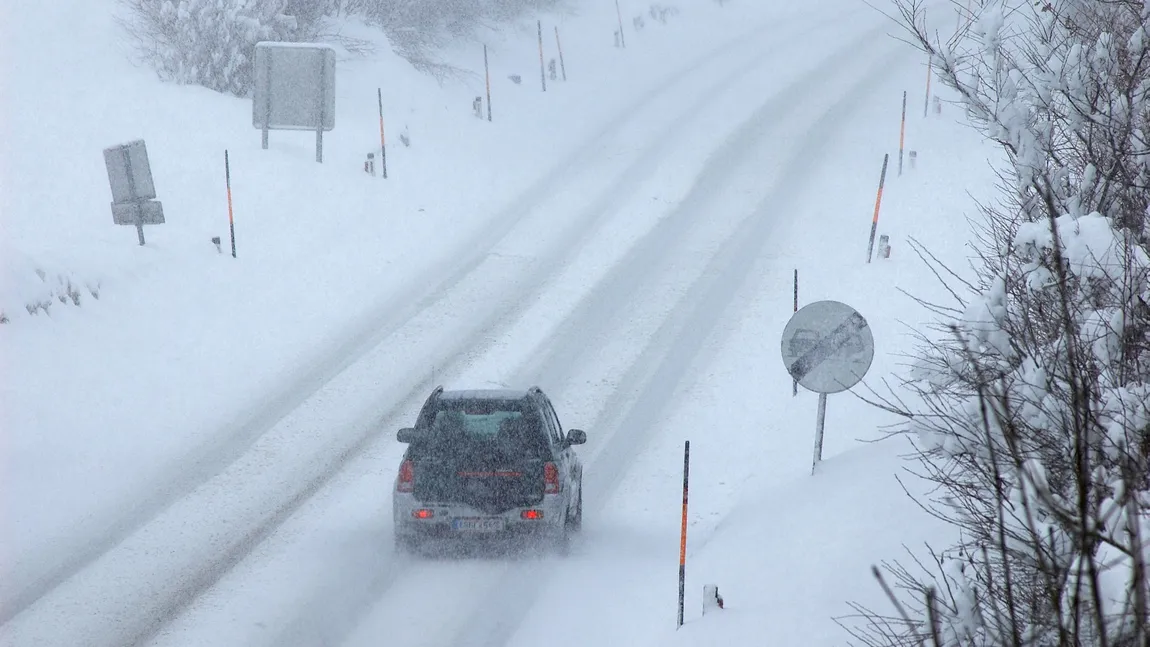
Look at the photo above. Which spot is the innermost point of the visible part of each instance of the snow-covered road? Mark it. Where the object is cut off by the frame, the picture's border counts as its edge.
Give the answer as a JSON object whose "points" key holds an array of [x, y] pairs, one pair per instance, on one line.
{"points": [[602, 283]]}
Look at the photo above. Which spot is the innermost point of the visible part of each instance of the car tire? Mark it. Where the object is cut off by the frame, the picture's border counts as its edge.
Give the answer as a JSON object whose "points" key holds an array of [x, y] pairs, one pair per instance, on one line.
{"points": [[575, 523]]}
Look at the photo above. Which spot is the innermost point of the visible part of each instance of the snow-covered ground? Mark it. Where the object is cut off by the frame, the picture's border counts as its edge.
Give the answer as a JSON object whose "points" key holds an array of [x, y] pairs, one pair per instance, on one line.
{"points": [[203, 454]]}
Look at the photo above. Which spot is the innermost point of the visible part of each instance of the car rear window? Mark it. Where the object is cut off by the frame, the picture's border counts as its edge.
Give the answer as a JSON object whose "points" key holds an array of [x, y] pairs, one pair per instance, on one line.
{"points": [[475, 426], [509, 427]]}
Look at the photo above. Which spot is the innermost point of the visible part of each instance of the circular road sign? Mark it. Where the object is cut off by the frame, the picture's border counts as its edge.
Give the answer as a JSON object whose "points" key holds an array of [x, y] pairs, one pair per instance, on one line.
{"points": [[827, 347]]}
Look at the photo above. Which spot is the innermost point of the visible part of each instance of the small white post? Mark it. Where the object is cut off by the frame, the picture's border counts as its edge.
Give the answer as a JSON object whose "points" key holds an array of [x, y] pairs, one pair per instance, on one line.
{"points": [[711, 598]]}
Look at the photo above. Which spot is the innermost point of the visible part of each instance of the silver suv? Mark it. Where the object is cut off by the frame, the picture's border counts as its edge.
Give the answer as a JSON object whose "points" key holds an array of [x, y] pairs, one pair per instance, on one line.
{"points": [[488, 463]]}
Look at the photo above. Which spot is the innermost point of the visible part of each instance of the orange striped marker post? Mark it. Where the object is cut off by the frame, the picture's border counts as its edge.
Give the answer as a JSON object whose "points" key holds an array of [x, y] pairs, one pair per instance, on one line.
{"points": [[382, 140], [683, 532], [877, 203], [902, 133], [487, 76], [231, 219]]}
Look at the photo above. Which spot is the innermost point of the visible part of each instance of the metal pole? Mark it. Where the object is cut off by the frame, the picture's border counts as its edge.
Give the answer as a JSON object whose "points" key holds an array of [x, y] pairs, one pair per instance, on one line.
{"points": [[622, 38], [795, 383], [559, 46], [487, 76], [231, 220], [877, 204], [135, 197], [542, 70], [902, 133], [382, 141], [683, 532], [822, 416], [926, 101]]}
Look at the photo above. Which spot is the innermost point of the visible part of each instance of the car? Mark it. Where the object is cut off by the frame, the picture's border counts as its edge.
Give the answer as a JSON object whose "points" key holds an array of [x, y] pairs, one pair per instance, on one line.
{"points": [[484, 464]]}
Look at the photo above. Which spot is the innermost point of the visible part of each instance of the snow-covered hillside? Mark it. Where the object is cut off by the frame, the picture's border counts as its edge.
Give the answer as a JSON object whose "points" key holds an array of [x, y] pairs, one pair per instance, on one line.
{"points": [[201, 450]]}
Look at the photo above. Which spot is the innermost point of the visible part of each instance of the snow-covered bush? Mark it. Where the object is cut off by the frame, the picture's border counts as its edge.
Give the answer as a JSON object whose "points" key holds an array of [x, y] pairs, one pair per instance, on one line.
{"points": [[1035, 403], [417, 29], [660, 12], [212, 42], [33, 288]]}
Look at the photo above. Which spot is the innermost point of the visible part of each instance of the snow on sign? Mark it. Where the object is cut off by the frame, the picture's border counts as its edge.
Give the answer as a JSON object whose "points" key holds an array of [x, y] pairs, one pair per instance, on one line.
{"points": [[827, 347], [294, 89], [133, 193]]}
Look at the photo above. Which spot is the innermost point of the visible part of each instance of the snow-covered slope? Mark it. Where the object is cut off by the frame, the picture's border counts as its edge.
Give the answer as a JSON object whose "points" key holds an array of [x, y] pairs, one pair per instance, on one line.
{"points": [[202, 454]]}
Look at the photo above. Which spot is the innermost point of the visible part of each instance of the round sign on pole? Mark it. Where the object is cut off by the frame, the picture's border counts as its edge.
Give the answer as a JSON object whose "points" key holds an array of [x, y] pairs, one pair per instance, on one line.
{"points": [[827, 347]]}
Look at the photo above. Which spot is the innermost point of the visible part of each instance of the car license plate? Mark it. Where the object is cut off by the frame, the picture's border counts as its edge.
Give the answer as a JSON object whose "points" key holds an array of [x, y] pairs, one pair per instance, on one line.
{"points": [[477, 525]]}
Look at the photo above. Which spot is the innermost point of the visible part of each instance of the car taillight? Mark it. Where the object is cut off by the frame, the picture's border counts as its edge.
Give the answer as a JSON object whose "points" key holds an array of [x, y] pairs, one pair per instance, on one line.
{"points": [[406, 481], [550, 478]]}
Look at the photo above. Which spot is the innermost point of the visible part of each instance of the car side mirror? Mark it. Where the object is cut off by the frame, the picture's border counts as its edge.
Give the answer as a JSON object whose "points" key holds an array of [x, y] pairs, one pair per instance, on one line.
{"points": [[576, 437], [408, 435]]}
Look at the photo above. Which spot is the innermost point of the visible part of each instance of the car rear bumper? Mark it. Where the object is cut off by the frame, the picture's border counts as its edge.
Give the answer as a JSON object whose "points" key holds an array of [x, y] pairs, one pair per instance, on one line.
{"points": [[431, 520]]}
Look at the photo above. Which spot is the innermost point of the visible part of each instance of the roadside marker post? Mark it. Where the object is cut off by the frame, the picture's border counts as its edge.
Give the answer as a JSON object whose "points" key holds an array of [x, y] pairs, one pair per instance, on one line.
{"points": [[622, 38], [231, 219], [926, 100], [902, 133], [542, 67], [487, 77], [877, 204], [683, 531], [559, 46], [382, 140]]}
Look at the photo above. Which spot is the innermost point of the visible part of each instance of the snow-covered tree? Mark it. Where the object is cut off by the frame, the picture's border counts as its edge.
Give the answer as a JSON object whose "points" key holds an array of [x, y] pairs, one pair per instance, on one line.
{"points": [[1034, 414], [417, 29], [212, 42]]}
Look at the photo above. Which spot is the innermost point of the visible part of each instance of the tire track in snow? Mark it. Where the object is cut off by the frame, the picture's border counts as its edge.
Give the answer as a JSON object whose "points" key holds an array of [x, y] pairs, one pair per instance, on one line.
{"points": [[666, 360], [311, 628], [228, 444], [190, 585]]}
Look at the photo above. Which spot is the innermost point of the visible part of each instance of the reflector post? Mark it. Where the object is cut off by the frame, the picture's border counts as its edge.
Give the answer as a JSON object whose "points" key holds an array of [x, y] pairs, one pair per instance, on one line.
{"points": [[683, 531]]}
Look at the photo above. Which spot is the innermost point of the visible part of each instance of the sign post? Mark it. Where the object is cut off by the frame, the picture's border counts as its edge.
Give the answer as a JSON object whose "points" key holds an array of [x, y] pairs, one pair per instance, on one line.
{"points": [[133, 193], [827, 347]]}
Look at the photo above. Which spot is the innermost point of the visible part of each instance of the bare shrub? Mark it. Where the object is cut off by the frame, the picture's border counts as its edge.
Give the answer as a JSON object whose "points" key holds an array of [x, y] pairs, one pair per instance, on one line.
{"points": [[1034, 404], [212, 42]]}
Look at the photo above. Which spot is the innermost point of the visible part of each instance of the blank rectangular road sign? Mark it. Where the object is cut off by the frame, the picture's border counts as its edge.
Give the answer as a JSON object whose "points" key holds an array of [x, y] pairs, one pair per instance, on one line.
{"points": [[128, 172], [144, 212], [294, 86]]}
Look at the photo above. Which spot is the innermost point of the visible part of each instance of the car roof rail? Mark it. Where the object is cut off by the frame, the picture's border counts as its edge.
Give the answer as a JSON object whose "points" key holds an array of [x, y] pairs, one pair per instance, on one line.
{"points": [[435, 393], [535, 390], [432, 397]]}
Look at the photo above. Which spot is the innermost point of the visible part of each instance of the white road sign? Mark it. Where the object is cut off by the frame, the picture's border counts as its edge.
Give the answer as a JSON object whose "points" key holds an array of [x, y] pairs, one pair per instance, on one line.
{"points": [[827, 347], [294, 86]]}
